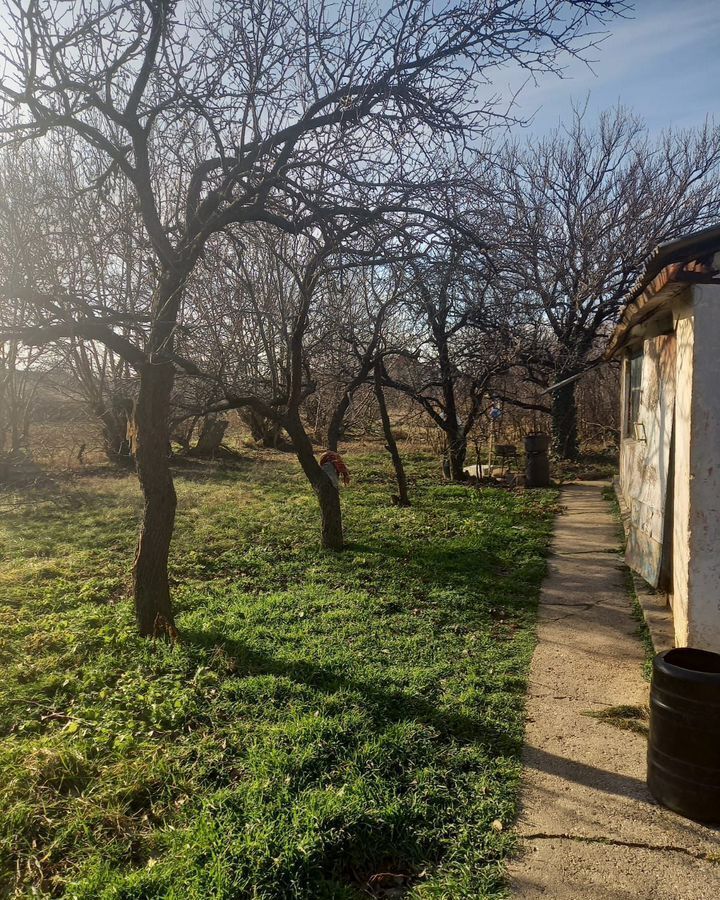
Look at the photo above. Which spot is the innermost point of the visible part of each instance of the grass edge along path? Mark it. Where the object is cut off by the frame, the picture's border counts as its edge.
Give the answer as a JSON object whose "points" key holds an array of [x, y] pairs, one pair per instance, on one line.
{"points": [[330, 726]]}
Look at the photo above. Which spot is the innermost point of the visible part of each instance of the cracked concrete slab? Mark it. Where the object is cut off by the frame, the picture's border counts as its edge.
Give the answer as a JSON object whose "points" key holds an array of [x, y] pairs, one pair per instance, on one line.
{"points": [[590, 828]]}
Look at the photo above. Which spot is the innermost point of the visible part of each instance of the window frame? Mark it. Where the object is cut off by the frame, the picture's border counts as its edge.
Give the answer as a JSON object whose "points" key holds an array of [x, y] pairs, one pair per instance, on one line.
{"points": [[633, 392]]}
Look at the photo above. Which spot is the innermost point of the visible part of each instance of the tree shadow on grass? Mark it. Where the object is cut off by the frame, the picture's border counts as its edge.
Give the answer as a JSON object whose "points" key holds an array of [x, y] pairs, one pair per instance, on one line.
{"points": [[227, 469], [472, 572], [369, 852], [383, 705]]}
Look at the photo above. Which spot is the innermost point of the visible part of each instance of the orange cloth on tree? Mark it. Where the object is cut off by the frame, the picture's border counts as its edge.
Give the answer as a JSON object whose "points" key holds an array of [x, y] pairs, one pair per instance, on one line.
{"points": [[331, 457]]}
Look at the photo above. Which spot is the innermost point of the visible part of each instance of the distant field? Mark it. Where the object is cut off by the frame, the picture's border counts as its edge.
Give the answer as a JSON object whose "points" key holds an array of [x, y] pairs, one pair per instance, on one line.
{"points": [[330, 726]]}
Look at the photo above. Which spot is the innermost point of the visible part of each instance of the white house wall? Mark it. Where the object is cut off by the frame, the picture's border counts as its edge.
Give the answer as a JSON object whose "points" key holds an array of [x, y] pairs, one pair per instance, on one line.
{"points": [[703, 584], [645, 459], [684, 331], [679, 409]]}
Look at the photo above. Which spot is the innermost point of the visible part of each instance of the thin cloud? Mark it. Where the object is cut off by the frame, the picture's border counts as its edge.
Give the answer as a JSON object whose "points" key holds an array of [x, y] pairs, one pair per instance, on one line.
{"points": [[662, 62]]}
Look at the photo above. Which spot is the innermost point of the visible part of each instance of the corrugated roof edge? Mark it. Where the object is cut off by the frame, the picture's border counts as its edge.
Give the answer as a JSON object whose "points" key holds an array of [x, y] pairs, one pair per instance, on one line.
{"points": [[677, 251]]}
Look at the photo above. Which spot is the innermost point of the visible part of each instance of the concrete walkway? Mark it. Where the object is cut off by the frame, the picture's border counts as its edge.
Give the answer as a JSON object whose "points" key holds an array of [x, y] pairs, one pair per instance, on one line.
{"points": [[591, 829]]}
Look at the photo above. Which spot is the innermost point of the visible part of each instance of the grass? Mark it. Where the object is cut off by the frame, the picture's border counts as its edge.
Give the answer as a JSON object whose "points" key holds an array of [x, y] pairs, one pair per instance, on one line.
{"points": [[329, 726], [643, 631], [625, 717], [591, 466]]}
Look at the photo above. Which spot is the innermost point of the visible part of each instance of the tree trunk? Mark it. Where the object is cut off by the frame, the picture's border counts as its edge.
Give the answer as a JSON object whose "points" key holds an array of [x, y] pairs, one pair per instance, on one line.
{"points": [[263, 430], [113, 428], [16, 428], [390, 442], [331, 512], [454, 431], [457, 451], [327, 493], [212, 432], [4, 378], [151, 439], [27, 421], [335, 428], [564, 421], [182, 432]]}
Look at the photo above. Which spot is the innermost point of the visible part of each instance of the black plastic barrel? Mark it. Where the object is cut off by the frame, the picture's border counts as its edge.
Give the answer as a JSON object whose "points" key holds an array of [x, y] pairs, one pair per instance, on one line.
{"points": [[684, 741], [537, 466], [537, 442]]}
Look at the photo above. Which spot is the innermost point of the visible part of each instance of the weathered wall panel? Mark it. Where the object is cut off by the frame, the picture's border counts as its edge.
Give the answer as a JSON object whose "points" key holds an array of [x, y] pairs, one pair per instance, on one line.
{"points": [[645, 462], [703, 611], [684, 331], [680, 410]]}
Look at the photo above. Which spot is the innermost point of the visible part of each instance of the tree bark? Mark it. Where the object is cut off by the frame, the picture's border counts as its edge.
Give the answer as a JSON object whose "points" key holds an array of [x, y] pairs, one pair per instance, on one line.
{"points": [[265, 431], [16, 443], [456, 438], [457, 452], [390, 442], [564, 421], [212, 432], [151, 434], [335, 428], [328, 495], [331, 513], [113, 428]]}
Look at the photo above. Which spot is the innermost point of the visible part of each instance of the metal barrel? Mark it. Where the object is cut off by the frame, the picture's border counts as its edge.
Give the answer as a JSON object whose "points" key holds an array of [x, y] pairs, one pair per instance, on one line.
{"points": [[684, 740]]}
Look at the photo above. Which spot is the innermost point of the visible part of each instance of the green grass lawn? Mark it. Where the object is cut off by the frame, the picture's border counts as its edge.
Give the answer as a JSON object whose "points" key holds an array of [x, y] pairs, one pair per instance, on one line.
{"points": [[330, 725]]}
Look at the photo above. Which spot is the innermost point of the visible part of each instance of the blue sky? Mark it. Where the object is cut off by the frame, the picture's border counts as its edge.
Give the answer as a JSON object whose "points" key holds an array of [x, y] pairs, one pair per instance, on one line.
{"points": [[663, 62]]}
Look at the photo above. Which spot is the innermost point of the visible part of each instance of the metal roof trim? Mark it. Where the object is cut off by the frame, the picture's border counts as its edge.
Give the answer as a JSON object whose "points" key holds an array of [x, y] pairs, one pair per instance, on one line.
{"points": [[661, 268]]}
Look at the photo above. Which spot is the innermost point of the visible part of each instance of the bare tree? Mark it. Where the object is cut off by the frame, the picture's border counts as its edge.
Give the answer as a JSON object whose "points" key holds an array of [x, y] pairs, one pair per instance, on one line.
{"points": [[104, 383], [224, 115], [463, 339], [381, 377], [21, 366], [583, 209], [21, 376], [69, 244], [289, 323], [366, 293]]}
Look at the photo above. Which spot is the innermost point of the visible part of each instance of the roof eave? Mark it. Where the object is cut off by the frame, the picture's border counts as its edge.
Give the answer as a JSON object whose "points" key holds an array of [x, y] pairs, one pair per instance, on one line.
{"points": [[666, 284]]}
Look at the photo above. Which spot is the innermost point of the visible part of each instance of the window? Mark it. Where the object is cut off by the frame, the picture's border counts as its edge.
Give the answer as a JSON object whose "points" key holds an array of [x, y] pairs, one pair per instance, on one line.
{"points": [[634, 393]]}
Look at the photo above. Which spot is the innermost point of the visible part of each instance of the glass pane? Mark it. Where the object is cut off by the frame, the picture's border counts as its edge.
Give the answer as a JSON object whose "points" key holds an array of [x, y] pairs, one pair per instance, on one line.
{"points": [[635, 391]]}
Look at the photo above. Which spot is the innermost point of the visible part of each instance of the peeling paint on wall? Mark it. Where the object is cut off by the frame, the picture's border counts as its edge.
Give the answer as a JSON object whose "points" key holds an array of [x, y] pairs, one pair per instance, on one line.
{"points": [[645, 463], [680, 418]]}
